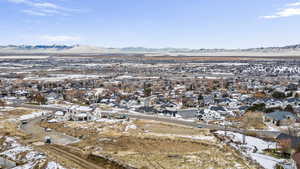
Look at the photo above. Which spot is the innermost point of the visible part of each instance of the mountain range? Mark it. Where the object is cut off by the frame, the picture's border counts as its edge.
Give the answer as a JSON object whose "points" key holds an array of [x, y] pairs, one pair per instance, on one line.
{"points": [[291, 50]]}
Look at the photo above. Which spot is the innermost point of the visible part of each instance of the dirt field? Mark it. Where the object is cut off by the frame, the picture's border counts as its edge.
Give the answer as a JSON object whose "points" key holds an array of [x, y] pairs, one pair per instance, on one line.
{"points": [[8, 123], [149, 144], [9, 112], [165, 128], [139, 143]]}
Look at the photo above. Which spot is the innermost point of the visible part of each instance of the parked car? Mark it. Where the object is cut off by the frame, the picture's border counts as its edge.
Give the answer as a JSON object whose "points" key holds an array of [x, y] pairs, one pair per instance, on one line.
{"points": [[24, 122], [48, 140], [48, 129], [200, 126]]}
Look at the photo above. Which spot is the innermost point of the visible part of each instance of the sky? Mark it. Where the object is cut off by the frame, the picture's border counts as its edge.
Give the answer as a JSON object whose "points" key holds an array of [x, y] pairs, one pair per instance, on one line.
{"points": [[151, 23]]}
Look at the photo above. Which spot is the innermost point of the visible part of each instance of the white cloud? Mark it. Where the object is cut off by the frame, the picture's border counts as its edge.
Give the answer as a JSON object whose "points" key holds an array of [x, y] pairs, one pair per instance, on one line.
{"points": [[292, 9], [17, 1], [43, 8], [294, 4], [35, 13], [60, 38], [284, 13], [46, 5]]}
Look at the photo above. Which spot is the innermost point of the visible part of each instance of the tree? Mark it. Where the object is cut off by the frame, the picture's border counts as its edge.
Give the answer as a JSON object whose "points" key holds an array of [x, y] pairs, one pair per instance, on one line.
{"points": [[278, 95], [184, 101], [257, 107], [39, 98], [200, 97], [225, 95], [270, 110], [2, 103], [201, 100], [289, 108], [147, 92], [289, 94]]}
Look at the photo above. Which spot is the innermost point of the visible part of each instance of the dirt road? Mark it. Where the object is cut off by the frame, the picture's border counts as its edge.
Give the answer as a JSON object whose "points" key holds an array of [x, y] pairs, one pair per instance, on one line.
{"points": [[68, 159]]}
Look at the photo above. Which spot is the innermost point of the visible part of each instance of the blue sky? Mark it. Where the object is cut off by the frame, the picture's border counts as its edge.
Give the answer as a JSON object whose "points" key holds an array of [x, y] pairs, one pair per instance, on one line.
{"points": [[151, 23]]}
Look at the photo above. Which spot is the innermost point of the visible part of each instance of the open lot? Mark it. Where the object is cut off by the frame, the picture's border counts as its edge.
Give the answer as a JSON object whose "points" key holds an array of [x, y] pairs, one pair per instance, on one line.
{"points": [[150, 144]]}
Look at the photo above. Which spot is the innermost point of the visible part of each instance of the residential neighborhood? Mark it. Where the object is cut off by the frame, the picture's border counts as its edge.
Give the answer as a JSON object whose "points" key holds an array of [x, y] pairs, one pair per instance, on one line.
{"points": [[240, 104]]}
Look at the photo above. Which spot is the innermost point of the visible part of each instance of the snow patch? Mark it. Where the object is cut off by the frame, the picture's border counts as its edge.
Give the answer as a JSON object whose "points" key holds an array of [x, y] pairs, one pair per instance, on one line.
{"points": [[32, 115]]}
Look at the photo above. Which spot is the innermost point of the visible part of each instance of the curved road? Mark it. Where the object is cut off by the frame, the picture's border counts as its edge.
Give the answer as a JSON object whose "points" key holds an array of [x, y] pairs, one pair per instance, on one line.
{"points": [[261, 133], [32, 127]]}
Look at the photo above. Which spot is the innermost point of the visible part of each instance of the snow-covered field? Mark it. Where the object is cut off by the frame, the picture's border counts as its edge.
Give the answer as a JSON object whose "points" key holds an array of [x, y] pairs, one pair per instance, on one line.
{"points": [[6, 108], [12, 150], [59, 77], [252, 144]]}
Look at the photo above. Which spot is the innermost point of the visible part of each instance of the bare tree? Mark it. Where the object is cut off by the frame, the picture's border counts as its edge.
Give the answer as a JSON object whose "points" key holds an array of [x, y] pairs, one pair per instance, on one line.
{"points": [[2, 103]]}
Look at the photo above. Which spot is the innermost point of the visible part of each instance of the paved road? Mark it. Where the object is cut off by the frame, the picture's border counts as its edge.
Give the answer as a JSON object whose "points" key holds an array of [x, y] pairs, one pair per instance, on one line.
{"points": [[261, 133], [39, 107], [33, 127]]}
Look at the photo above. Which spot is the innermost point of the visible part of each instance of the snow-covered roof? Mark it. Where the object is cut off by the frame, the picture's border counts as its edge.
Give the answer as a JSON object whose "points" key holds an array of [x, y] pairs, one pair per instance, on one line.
{"points": [[81, 115], [280, 115], [59, 113], [81, 108]]}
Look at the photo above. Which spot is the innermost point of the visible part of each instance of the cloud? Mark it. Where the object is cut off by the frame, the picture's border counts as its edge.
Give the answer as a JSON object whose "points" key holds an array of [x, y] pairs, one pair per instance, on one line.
{"points": [[292, 9], [294, 4], [17, 1], [60, 38], [35, 13], [46, 5], [43, 8]]}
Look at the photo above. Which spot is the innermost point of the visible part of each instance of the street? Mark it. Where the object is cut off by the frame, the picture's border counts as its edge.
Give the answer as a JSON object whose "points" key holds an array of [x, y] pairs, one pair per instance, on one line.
{"points": [[260, 133]]}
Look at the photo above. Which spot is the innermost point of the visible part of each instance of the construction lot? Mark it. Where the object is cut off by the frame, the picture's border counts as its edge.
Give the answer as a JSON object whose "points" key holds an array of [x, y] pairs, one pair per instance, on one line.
{"points": [[123, 143], [150, 144]]}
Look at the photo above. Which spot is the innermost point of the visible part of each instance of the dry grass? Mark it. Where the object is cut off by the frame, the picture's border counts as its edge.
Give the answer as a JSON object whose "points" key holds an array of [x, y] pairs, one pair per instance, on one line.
{"points": [[143, 149], [253, 120], [166, 128], [19, 111], [10, 128], [14, 113]]}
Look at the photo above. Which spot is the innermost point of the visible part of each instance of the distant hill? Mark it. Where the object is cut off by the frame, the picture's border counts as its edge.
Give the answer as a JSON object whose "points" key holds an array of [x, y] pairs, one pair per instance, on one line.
{"points": [[291, 50], [180, 50], [30, 47]]}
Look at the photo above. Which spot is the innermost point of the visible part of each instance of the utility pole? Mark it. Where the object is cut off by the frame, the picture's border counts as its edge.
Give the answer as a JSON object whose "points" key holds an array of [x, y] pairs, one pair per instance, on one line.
{"points": [[244, 139]]}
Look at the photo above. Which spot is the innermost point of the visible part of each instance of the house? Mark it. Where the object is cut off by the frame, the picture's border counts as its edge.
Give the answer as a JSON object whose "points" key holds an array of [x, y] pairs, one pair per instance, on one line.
{"points": [[208, 100], [296, 160], [59, 116], [271, 103], [292, 87], [82, 113], [221, 110], [243, 109], [284, 140], [280, 118], [170, 111], [292, 102], [223, 101], [209, 115]]}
